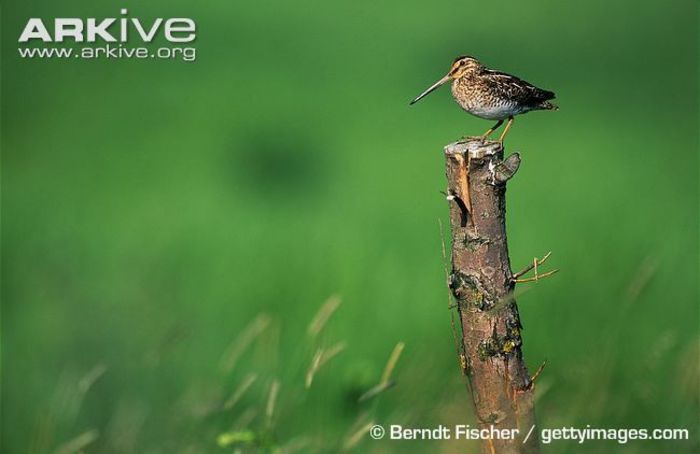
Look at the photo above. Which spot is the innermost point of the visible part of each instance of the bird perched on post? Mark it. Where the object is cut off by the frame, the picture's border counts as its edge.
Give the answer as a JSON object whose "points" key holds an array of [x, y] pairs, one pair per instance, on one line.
{"points": [[491, 95]]}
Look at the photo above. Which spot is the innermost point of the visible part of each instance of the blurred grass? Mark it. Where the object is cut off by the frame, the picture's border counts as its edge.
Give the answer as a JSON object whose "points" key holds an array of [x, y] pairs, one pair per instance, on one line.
{"points": [[151, 210]]}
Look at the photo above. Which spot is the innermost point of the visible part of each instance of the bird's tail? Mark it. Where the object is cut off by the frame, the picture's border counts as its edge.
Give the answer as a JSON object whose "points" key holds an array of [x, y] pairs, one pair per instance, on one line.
{"points": [[546, 105]]}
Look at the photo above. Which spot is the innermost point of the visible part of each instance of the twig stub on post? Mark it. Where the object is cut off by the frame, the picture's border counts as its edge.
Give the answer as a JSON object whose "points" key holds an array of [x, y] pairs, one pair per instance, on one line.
{"points": [[481, 279]]}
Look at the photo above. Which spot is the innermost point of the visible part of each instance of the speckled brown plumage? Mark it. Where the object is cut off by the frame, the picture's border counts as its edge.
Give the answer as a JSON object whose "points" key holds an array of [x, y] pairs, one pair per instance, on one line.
{"points": [[492, 95]]}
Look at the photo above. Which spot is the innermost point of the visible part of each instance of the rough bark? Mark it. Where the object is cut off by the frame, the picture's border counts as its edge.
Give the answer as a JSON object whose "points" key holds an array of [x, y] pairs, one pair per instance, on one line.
{"points": [[482, 283]]}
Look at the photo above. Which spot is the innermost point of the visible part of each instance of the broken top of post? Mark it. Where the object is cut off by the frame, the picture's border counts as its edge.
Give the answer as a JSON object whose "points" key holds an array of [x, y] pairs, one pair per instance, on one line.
{"points": [[477, 148]]}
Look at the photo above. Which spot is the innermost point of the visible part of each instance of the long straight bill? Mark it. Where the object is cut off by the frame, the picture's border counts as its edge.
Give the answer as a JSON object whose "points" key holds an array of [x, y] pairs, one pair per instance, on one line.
{"points": [[433, 87]]}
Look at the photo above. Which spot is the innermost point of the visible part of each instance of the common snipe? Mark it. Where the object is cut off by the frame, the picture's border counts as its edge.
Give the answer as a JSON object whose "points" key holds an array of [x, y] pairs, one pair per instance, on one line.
{"points": [[490, 94]]}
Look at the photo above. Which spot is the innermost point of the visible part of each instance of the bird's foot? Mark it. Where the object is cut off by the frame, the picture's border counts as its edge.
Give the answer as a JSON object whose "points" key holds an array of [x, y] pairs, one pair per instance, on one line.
{"points": [[486, 140], [466, 139]]}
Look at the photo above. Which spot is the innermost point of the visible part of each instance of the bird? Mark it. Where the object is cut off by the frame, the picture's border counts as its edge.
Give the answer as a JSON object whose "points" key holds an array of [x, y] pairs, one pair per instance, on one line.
{"points": [[490, 94]]}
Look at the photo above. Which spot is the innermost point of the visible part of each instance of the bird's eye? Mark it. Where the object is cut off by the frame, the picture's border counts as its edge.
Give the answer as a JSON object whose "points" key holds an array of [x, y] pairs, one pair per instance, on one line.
{"points": [[461, 63]]}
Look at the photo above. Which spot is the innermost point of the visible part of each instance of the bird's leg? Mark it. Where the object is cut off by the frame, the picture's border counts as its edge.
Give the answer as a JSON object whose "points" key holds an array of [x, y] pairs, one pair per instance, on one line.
{"points": [[486, 135], [505, 131]]}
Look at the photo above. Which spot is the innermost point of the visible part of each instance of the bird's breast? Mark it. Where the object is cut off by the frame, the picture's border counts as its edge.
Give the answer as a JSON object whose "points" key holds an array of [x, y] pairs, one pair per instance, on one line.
{"points": [[479, 101]]}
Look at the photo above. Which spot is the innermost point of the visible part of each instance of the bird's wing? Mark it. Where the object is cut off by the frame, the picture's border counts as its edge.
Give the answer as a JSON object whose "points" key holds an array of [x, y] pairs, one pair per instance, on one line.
{"points": [[514, 87]]}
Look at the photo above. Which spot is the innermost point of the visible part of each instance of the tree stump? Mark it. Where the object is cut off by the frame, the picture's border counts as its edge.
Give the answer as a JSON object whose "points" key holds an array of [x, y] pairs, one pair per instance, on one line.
{"points": [[482, 283]]}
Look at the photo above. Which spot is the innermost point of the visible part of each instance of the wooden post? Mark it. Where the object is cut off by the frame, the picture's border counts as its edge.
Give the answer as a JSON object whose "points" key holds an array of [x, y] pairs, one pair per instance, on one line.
{"points": [[482, 283]]}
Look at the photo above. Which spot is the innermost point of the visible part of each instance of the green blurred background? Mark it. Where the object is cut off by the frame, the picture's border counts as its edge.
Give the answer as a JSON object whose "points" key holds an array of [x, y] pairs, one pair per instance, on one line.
{"points": [[159, 214]]}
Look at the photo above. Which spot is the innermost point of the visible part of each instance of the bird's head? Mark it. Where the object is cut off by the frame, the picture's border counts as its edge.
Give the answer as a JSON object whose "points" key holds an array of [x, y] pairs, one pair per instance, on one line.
{"points": [[462, 66]]}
